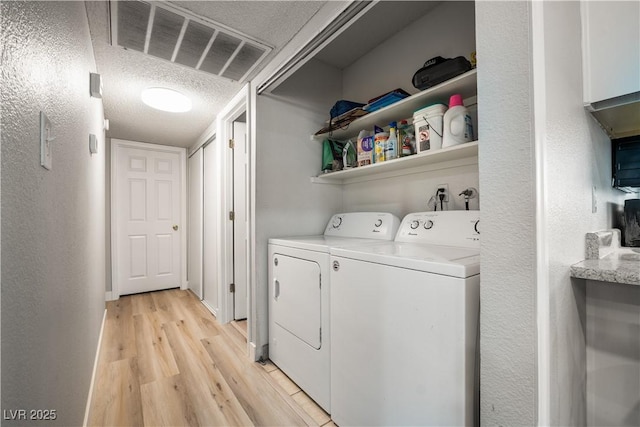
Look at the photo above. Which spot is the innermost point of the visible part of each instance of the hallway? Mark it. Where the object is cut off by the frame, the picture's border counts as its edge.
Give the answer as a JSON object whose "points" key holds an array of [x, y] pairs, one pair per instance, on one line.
{"points": [[166, 361]]}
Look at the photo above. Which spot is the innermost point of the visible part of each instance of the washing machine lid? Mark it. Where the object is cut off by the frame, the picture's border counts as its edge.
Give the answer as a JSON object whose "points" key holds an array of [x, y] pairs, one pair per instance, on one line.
{"points": [[319, 243], [437, 259]]}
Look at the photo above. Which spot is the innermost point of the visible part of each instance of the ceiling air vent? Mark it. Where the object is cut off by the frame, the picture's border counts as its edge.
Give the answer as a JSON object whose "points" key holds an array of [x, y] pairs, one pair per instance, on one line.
{"points": [[169, 32]]}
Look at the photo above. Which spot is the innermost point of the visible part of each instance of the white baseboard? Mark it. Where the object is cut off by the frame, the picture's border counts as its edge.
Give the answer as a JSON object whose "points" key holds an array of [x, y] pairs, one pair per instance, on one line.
{"points": [[252, 352], [211, 309], [95, 369], [109, 296]]}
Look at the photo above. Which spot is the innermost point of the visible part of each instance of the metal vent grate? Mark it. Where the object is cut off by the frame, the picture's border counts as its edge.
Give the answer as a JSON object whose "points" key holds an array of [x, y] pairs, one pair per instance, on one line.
{"points": [[169, 32]]}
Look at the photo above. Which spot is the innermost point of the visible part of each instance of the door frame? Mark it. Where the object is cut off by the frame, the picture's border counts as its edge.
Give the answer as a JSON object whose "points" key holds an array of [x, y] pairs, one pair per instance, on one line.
{"points": [[235, 108], [117, 144]]}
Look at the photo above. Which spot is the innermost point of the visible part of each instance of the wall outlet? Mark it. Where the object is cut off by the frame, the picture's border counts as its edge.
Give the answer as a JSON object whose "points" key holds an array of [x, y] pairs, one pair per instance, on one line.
{"points": [[446, 192]]}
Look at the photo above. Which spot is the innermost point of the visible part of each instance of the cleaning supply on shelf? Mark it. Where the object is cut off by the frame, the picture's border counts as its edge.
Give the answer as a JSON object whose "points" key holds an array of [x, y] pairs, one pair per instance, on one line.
{"points": [[364, 147], [349, 156], [427, 123], [380, 144], [458, 127], [391, 151], [407, 139]]}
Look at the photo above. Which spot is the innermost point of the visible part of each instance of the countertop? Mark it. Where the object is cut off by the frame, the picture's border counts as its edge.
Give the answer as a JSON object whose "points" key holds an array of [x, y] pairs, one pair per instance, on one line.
{"points": [[607, 261]]}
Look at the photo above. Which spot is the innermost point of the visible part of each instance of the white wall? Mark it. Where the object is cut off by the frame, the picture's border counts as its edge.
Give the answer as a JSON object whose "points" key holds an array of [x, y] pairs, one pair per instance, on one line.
{"points": [[287, 203], [53, 222], [410, 193], [577, 157], [507, 187], [537, 178], [392, 64]]}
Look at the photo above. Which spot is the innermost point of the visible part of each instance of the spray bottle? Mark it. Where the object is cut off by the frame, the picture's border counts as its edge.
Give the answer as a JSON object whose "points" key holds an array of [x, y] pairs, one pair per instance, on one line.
{"points": [[391, 151]]}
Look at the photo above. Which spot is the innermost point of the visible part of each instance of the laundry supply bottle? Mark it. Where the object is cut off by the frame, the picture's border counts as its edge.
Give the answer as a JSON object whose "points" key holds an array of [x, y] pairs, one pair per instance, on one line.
{"points": [[379, 145], [391, 151], [457, 123], [406, 138]]}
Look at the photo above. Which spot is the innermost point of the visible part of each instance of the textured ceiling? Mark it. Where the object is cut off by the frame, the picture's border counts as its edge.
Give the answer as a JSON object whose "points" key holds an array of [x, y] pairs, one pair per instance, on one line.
{"points": [[125, 73]]}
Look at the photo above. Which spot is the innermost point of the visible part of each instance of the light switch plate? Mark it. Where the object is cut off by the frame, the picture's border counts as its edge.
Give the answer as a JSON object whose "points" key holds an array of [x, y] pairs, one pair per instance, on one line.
{"points": [[95, 85], [93, 144], [45, 142]]}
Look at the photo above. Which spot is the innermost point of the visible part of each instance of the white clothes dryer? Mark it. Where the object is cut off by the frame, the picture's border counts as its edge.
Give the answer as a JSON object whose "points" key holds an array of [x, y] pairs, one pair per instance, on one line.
{"points": [[404, 317], [299, 293]]}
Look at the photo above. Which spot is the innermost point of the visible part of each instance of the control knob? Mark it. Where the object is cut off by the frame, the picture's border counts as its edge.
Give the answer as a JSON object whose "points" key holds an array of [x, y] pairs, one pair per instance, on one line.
{"points": [[476, 226], [336, 222], [414, 224], [378, 223], [428, 224]]}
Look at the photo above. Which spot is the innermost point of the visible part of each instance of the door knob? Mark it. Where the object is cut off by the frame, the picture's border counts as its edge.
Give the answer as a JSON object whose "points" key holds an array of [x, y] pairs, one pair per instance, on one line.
{"points": [[175, 227]]}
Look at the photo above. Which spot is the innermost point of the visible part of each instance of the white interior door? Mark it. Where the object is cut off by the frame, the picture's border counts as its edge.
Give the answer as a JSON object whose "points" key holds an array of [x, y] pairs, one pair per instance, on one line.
{"points": [[147, 215], [194, 250], [211, 295], [240, 226]]}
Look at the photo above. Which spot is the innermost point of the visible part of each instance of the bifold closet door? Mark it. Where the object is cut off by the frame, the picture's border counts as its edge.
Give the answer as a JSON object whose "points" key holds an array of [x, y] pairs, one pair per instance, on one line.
{"points": [[211, 198], [194, 254]]}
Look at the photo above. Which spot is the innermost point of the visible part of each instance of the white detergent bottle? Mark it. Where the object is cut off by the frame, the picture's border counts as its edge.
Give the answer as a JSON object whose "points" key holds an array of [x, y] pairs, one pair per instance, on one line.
{"points": [[391, 151], [457, 123]]}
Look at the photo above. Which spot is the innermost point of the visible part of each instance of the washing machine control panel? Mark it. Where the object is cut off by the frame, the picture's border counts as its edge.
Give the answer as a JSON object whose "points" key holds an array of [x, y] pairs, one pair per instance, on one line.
{"points": [[366, 225], [451, 228]]}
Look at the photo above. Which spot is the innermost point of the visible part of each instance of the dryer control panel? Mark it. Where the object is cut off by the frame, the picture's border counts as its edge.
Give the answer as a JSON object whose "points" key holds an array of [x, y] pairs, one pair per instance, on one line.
{"points": [[364, 225], [448, 228]]}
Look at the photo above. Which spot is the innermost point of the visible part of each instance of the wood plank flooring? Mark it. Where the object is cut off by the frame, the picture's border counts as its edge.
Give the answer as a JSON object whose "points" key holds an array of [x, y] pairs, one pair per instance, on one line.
{"points": [[166, 361]]}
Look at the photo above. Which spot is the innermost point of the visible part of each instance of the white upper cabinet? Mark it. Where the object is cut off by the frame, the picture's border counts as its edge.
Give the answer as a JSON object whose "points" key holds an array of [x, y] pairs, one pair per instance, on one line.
{"points": [[611, 49]]}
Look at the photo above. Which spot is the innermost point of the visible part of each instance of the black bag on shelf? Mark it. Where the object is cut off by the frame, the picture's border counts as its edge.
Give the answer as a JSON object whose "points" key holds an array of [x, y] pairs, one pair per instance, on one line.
{"points": [[439, 69]]}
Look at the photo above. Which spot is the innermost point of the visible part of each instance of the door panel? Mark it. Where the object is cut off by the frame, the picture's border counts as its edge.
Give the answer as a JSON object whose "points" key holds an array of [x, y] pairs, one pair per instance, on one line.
{"points": [[296, 297], [137, 197], [147, 200], [138, 262], [210, 224], [165, 200], [194, 253], [240, 256]]}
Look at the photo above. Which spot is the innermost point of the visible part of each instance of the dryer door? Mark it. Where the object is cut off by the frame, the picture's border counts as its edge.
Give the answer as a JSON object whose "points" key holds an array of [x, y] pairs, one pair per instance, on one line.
{"points": [[295, 290]]}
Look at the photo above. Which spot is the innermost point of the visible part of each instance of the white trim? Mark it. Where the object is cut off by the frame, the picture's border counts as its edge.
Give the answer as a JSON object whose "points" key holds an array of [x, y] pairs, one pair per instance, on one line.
{"points": [[238, 105], [253, 337], [108, 296], [182, 152], [211, 309], [252, 350], [206, 138], [95, 370], [542, 241]]}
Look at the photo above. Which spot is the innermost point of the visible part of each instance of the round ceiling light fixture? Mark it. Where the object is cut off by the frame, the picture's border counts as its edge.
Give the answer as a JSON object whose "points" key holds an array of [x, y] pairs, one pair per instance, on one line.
{"points": [[165, 99]]}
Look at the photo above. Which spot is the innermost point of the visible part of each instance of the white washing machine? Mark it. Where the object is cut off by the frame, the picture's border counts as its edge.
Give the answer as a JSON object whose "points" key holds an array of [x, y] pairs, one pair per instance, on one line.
{"points": [[299, 292], [404, 319]]}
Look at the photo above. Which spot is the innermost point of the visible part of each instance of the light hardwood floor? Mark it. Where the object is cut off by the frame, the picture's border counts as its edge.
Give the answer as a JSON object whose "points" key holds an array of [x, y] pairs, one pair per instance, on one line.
{"points": [[166, 361]]}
